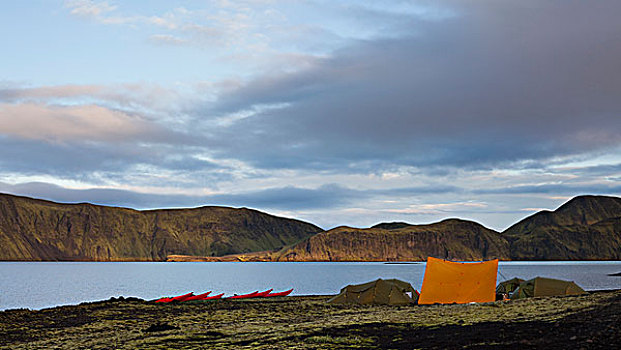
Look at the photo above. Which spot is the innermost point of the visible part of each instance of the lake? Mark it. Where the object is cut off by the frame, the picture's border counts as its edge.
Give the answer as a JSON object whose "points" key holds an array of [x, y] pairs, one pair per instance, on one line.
{"points": [[38, 285]]}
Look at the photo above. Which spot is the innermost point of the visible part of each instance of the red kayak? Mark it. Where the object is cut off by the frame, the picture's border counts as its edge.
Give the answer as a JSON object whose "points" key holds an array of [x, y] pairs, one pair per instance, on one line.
{"points": [[244, 296], [164, 300], [182, 297], [263, 294], [214, 297], [197, 297], [177, 298], [280, 294]]}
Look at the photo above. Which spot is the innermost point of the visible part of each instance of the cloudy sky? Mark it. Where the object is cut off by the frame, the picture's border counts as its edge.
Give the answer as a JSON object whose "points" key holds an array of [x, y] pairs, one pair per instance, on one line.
{"points": [[334, 112]]}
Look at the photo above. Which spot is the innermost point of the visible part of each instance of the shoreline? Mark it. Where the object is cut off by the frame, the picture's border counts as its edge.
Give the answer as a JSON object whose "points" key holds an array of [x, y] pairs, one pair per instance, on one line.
{"points": [[185, 258], [309, 322], [134, 298]]}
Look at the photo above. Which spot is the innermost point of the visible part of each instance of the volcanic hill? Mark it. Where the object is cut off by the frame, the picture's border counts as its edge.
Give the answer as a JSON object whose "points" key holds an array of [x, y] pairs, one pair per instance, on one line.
{"points": [[584, 228], [450, 239], [33, 230]]}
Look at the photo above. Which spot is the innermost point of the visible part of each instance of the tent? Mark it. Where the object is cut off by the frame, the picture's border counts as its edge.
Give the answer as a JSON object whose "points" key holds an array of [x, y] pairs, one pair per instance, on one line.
{"points": [[390, 292], [540, 286], [508, 286], [448, 282]]}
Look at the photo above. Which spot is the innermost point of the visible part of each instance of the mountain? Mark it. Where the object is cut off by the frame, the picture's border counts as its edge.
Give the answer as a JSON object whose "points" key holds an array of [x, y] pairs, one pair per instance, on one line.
{"points": [[584, 228], [451, 239], [391, 225], [32, 229]]}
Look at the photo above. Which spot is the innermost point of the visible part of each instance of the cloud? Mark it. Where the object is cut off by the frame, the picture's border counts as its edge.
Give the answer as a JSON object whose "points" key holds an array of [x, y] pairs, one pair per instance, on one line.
{"points": [[71, 123], [168, 39], [276, 198], [475, 86], [438, 208], [256, 33], [289, 198], [101, 11], [88, 8], [100, 196], [350, 113], [13, 93], [129, 97], [323, 197], [605, 170], [467, 91], [558, 188], [111, 163], [60, 131]]}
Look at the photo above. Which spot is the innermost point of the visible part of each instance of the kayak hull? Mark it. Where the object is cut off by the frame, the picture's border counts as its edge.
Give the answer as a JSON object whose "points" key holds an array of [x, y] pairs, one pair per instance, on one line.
{"points": [[182, 297], [264, 294], [219, 296], [245, 296], [164, 300], [280, 294], [177, 298], [205, 296], [197, 297]]}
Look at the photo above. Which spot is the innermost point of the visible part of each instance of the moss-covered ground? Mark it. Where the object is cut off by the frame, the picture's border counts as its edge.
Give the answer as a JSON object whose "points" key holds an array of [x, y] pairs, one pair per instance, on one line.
{"points": [[572, 322]]}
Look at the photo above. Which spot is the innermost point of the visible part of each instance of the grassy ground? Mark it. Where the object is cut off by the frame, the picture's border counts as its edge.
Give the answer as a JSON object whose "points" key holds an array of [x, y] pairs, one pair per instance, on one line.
{"points": [[589, 321]]}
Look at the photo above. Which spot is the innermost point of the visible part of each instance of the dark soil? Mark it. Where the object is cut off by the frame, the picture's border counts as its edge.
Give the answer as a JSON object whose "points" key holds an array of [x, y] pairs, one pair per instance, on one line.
{"points": [[160, 327], [573, 322]]}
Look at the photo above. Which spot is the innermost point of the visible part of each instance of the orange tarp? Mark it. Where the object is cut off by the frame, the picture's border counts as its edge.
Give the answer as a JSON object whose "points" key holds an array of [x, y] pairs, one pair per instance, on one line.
{"points": [[448, 282]]}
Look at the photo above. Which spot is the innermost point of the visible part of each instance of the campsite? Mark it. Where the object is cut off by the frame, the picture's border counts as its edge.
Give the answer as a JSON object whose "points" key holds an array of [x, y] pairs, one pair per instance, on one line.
{"points": [[459, 306], [567, 322]]}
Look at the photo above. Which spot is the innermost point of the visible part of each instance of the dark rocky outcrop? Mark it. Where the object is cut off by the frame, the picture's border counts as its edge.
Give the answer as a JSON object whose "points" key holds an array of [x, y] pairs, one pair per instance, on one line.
{"points": [[32, 229]]}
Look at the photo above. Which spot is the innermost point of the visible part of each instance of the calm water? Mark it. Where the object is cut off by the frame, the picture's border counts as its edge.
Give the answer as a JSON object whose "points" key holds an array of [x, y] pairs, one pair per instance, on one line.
{"points": [[37, 285]]}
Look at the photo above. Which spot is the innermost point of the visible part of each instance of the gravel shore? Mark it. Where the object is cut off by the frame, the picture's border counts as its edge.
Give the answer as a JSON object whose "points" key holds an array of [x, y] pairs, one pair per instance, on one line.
{"points": [[572, 322]]}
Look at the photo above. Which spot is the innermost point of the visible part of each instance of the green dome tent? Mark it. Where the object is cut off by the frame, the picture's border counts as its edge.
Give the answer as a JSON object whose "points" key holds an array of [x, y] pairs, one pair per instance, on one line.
{"points": [[389, 292], [540, 286], [508, 286]]}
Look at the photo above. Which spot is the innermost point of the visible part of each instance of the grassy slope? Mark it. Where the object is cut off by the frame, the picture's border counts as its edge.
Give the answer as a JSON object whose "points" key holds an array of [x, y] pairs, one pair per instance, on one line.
{"points": [[33, 229], [585, 228]]}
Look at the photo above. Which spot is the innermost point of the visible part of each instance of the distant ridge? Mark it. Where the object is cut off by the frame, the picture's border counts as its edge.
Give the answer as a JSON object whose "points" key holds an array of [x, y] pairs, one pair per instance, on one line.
{"points": [[33, 229], [450, 239], [391, 225], [584, 228]]}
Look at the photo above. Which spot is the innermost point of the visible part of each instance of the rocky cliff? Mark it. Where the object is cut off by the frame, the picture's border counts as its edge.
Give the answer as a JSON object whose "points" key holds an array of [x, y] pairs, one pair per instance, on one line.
{"points": [[32, 229], [450, 239], [584, 228]]}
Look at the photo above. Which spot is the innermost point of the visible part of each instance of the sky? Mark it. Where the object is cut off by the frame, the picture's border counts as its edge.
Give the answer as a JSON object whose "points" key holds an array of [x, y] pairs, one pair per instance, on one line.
{"points": [[333, 112]]}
